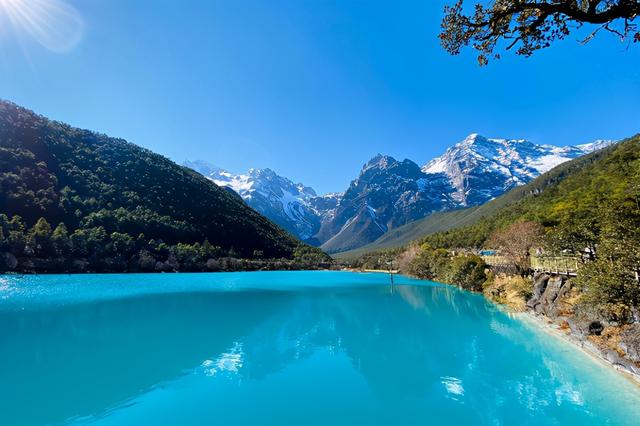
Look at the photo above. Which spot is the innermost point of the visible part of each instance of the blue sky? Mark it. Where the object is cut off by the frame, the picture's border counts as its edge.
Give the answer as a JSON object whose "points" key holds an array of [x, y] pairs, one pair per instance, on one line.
{"points": [[312, 89]]}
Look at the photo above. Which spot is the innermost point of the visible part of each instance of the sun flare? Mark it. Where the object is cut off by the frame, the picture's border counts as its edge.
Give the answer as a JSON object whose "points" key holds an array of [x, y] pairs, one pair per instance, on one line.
{"points": [[54, 24]]}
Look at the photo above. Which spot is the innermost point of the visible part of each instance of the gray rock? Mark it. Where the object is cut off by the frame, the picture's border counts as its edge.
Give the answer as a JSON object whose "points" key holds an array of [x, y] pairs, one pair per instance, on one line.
{"points": [[611, 356], [630, 342], [579, 328], [548, 294], [548, 300], [539, 285]]}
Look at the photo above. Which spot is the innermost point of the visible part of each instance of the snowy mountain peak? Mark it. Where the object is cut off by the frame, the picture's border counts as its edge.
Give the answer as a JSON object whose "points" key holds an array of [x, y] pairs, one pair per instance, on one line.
{"points": [[389, 193], [595, 145], [379, 162], [481, 168], [263, 173], [203, 167], [294, 206], [385, 164]]}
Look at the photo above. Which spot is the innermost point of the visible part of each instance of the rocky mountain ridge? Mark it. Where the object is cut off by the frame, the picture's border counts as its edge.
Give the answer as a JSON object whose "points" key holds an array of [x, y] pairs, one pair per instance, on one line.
{"points": [[294, 206], [389, 193]]}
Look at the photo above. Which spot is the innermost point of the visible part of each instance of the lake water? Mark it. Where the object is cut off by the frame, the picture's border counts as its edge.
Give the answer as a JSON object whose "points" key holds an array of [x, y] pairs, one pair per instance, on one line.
{"points": [[285, 348]]}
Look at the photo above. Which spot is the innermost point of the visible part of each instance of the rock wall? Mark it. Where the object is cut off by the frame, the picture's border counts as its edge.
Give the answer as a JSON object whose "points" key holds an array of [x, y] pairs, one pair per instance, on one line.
{"points": [[549, 295], [618, 344]]}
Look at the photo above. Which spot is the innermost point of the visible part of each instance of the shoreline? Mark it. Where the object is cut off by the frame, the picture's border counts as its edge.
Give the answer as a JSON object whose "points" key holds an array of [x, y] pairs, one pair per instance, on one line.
{"points": [[537, 321], [541, 323]]}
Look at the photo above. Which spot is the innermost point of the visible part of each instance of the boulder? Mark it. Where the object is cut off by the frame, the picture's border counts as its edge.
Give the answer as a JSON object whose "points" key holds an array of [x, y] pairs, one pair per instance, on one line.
{"points": [[630, 342], [579, 328], [539, 285], [552, 298], [548, 294]]}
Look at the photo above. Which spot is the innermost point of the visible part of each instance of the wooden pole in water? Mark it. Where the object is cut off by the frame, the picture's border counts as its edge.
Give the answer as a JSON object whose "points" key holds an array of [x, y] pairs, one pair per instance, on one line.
{"points": [[390, 264], [391, 275]]}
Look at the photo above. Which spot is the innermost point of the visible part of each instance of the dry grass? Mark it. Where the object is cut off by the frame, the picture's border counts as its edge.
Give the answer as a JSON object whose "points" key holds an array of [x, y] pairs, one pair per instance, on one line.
{"points": [[512, 291], [609, 339]]}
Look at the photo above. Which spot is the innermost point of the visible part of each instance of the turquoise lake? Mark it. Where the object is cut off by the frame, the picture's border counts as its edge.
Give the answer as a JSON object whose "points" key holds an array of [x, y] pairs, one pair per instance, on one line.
{"points": [[286, 348]]}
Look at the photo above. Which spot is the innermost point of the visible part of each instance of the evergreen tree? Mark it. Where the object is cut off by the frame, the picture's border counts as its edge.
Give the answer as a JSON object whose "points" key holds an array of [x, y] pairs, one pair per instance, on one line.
{"points": [[61, 241], [39, 238]]}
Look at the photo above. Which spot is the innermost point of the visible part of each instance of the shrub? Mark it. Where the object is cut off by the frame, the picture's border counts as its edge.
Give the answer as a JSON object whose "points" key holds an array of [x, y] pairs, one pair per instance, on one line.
{"points": [[466, 271]]}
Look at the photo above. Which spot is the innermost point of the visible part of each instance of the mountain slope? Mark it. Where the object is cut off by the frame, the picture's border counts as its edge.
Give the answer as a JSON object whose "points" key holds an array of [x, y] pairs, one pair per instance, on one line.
{"points": [[583, 188], [403, 235], [461, 218], [389, 195], [89, 181], [294, 206], [480, 168]]}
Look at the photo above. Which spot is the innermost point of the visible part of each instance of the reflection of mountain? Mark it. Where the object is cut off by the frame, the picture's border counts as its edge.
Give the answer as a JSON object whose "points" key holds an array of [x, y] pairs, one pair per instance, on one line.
{"points": [[420, 344], [388, 337], [108, 353], [101, 355], [358, 354]]}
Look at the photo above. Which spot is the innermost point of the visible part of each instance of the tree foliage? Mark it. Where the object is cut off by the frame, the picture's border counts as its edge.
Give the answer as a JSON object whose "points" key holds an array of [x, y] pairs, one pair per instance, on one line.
{"points": [[610, 280], [116, 206], [531, 25], [592, 212], [466, 271]]}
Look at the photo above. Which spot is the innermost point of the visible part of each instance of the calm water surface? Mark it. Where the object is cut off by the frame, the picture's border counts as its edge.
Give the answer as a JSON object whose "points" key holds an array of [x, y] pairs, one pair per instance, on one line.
{"points": [[285, 348]]}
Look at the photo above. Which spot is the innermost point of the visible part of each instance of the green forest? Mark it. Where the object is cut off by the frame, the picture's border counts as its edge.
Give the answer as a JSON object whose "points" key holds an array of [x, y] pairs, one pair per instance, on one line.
{"points": [[76, 200], [588, 208]]}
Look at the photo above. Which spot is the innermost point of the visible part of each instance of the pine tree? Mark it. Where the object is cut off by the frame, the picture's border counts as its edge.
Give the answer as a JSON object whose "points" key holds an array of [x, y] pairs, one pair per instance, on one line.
{"points": [[39, 238], [61, 241]]}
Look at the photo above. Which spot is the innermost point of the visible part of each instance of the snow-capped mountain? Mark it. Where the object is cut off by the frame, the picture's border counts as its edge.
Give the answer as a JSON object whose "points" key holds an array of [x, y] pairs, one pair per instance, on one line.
{"points": [[386, 194], [480, 168], [389, 193], [295, 207]]}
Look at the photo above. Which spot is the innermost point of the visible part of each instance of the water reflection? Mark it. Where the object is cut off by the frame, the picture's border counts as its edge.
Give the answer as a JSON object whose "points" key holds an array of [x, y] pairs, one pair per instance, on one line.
{"points": [[422, 349], [83, 359]]}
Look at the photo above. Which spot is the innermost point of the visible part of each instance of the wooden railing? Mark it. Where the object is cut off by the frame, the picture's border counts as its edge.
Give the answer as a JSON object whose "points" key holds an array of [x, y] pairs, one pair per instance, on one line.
{"points": [[497, 260], [561, 265]]}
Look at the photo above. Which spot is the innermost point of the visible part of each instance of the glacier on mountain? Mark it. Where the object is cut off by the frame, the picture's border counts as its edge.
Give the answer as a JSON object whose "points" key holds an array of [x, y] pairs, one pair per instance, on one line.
{"points": [[388, 193]]}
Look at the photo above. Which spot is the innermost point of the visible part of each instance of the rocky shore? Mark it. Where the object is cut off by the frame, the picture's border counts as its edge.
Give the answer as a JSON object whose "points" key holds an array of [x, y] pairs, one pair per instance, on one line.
{"points": [[552, 304]]}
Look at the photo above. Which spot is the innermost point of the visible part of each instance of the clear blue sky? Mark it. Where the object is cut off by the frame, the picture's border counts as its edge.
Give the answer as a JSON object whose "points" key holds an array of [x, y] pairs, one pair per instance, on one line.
{"points": [[312, 89]]}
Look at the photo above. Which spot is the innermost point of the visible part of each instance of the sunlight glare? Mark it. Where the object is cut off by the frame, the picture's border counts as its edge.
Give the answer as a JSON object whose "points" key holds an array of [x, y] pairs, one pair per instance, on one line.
{"points": [[54, 24]]}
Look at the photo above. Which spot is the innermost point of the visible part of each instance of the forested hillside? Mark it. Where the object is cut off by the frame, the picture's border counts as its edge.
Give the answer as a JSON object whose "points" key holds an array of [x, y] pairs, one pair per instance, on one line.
{"points": [[74, 199], [462, 219], [583, 193], [587, 210]]}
